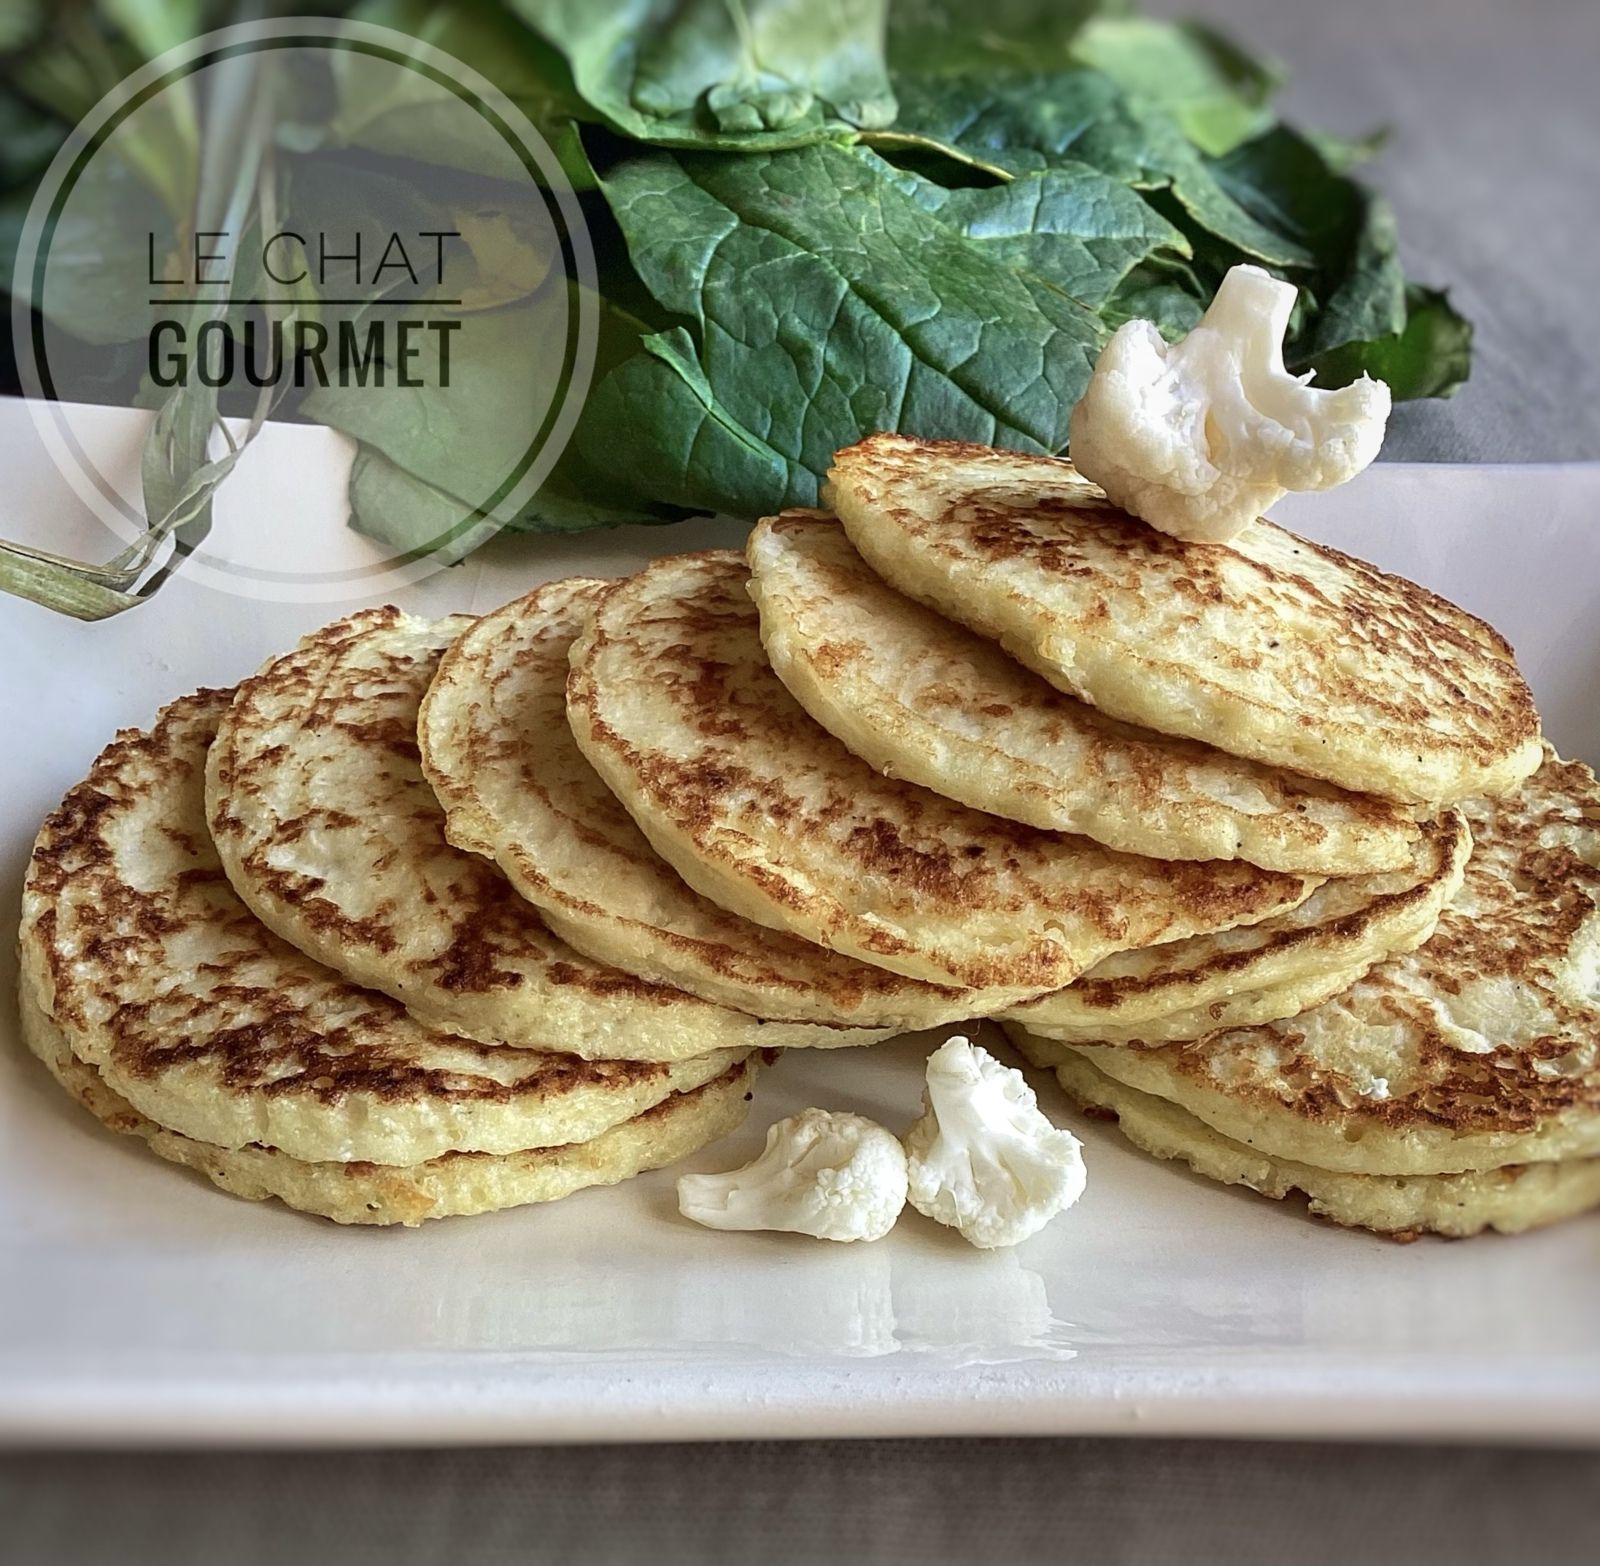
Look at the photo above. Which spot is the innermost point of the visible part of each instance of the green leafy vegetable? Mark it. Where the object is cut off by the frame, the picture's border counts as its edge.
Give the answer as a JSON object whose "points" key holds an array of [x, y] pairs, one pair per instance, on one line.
{"points": [[995, 38], [420, 455], [496, 360], [826, 301], [1167, 292], [811, 219], [1430, 356], [414, 518], [1027, 123], [1218, 95], [740, 73], [1072, 225], [415, 117], [1365, 314], [505, 248]]}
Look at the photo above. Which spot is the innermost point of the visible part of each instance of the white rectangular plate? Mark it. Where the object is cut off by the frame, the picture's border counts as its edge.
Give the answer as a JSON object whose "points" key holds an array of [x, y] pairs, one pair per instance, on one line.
{"points": [[137, 1304]]}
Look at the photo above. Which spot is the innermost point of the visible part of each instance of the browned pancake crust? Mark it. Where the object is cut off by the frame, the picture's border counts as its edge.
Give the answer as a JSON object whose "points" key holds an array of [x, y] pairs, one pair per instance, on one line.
{"points": [[500, 757], [327, 826], [1445, 842], [169, 971], [1271, 646], [489, 919], [1489, 1030], [921, 697], [757, 770]]}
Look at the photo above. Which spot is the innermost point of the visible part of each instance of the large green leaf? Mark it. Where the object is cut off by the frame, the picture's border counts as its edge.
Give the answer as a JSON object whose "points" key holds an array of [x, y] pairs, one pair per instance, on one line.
{"points": [[1366, 295], [992, 38], [1357, 289], [1072, 225], [425, 451], [407, 514], [1284, 181], [503, 250], [1218, 94], [415, 518], [738, 73], [410, 115], [468, 437], [1430, 356], [1161, 289], [824, 302], [1020, 124]]}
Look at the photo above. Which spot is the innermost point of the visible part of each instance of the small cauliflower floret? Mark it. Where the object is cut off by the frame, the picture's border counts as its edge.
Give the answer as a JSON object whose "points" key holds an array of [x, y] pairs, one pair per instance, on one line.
{"points": [[837, 1176], [1200, 437], [983, 1158]]}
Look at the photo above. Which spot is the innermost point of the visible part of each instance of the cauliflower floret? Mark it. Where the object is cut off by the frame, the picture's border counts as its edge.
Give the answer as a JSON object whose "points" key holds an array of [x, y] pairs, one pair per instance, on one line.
{"points": [[983, 1158], [837, 1176], [1200, 437]]}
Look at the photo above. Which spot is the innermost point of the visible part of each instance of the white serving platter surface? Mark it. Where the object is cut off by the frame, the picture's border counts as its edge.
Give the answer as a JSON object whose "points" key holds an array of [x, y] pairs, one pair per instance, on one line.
{"points": [[139, 1306]]}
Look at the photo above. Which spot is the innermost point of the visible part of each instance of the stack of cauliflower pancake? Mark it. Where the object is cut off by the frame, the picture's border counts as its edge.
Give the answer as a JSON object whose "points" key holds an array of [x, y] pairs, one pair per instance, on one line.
{"points": [[1257, 848]]}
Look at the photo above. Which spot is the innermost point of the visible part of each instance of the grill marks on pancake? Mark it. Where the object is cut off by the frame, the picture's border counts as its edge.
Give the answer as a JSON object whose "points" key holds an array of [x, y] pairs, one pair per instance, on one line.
{"points": [[1379, 608], [1533, 885], [1528, 907], [282, 1055], [1509, 1198], [250, 1011], [922, 698], [500, 756], [914, 848], [120, 928], [1296, 654], [360, 1191], [1448, 1090], [342, 682], [1185, 967], [728, 762]]}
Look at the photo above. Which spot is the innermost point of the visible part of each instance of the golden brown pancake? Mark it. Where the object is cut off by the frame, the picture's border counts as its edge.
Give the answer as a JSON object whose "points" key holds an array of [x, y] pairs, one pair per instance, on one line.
{"points": [[516, 789], [922, 698], [329, 831], [452, 1185], [1478, 1050], [1269, 647], [760, 809], [1184, 989], [1509, 1200], [137, 948]]}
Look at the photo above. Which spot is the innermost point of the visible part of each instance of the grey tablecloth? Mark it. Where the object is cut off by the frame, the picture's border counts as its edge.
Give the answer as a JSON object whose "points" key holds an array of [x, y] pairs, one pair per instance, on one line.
{"points": [[1494, 168], [1009, 1503]]}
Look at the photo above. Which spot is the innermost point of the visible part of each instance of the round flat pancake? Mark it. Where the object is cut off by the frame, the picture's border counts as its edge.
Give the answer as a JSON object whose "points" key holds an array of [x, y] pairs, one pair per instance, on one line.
{"points": [[923, 699], [330, 833], [516, 789], [453, 1185], [673, 701], [1269, 647], [1477, 1050], [1508, 1200], [141, 954], [1339, 932]]}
